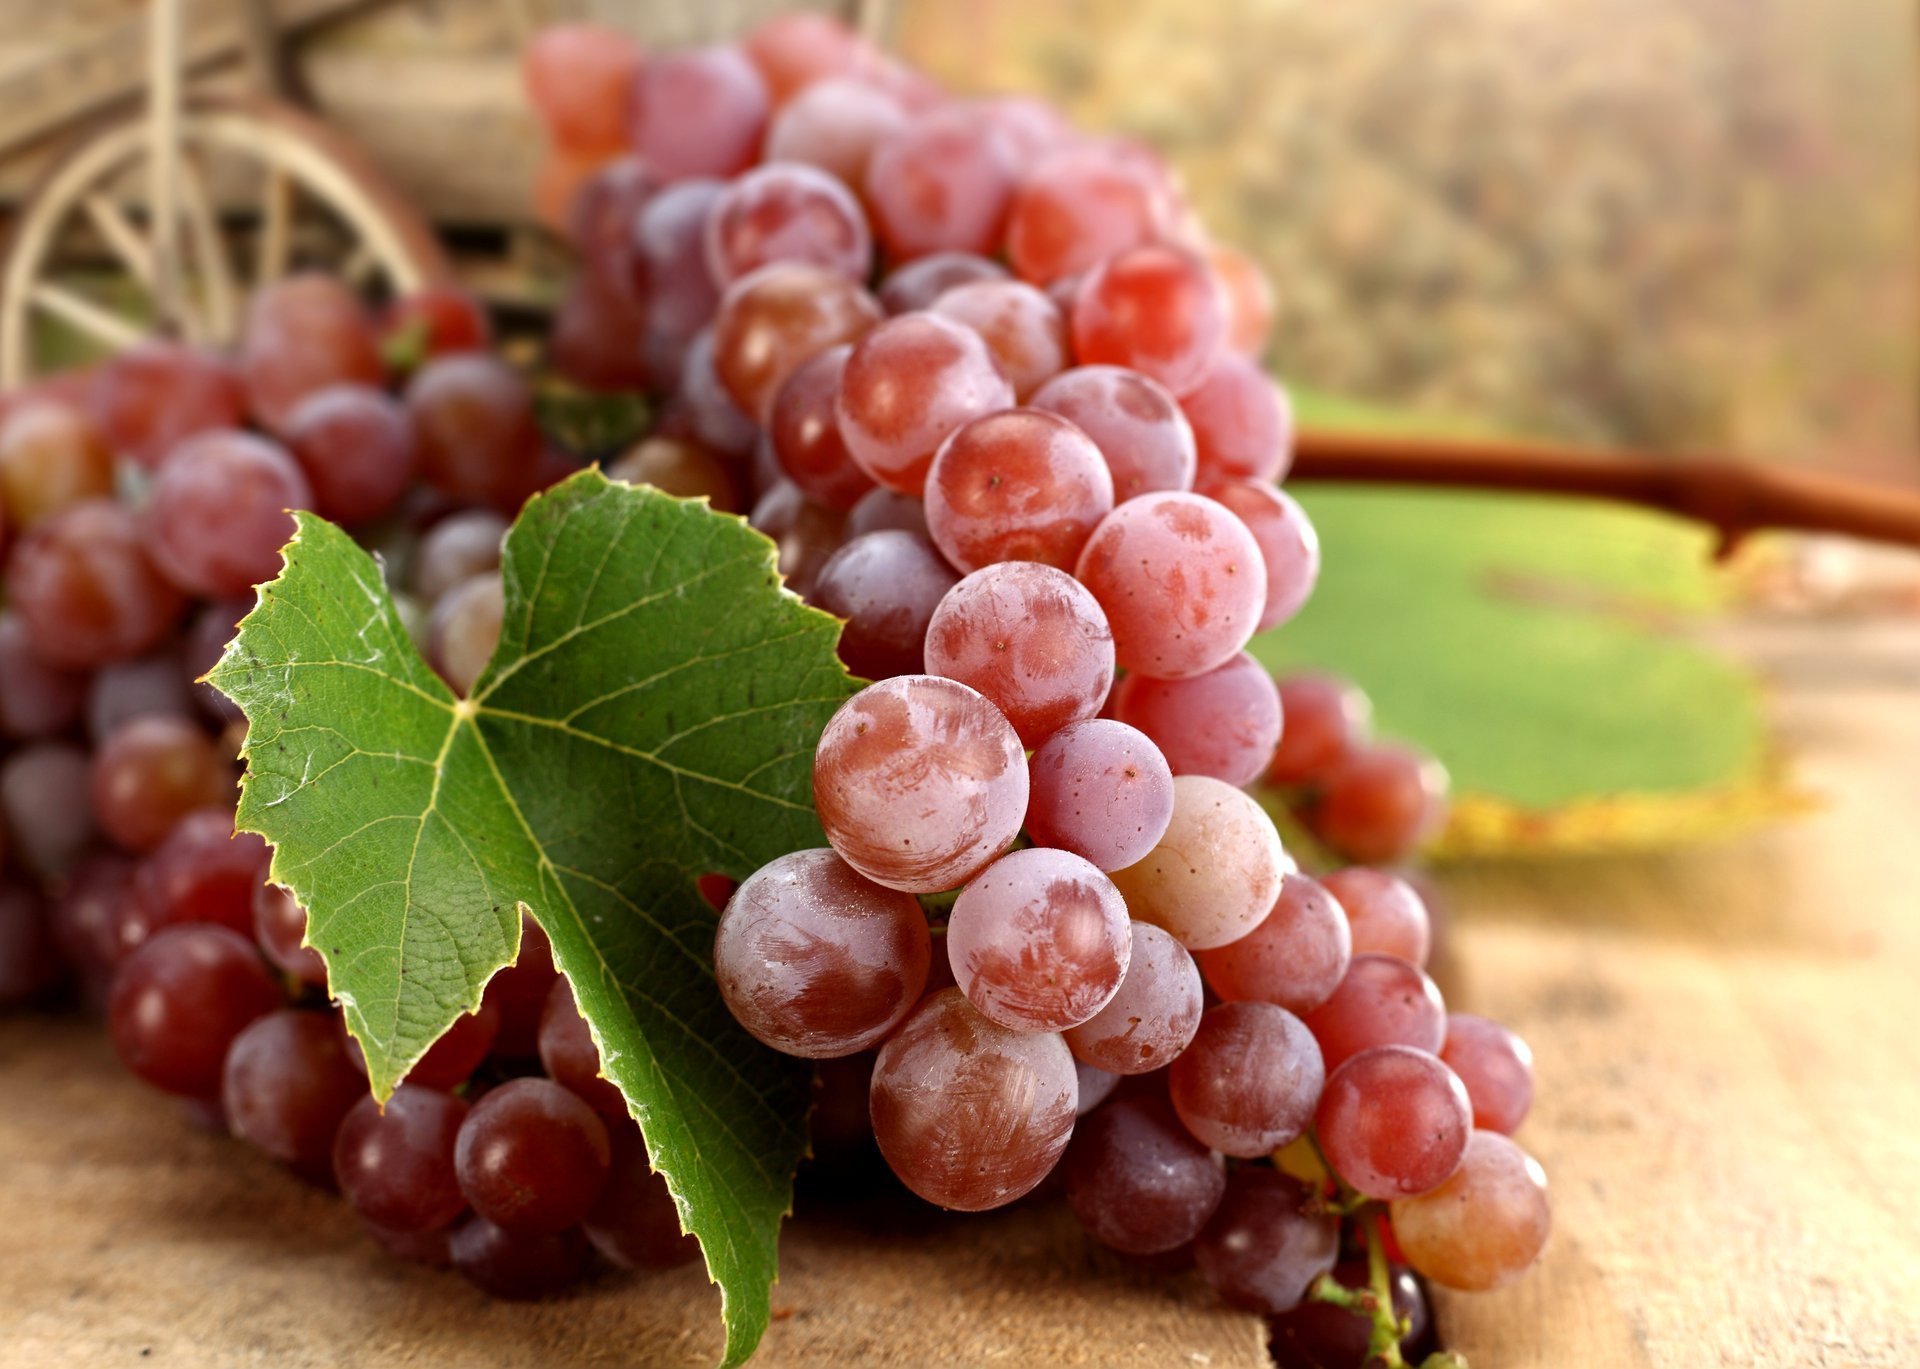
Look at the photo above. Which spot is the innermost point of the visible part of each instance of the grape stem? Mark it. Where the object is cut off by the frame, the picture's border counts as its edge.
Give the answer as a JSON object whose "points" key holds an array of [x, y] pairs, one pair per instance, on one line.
{"points": [[1734, 498], [1375, 1301]]}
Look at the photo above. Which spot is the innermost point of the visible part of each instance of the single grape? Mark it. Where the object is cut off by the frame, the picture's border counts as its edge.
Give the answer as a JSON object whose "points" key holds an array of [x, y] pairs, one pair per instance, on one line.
{"points": [[1096, 1086], [835, 125], [599, 339], [1216, 871], [1021, 326], [136, 688], [1249, 299], [452, 1059], [1077, 209], [806, 435], [908, 385], [280, 926], [518, 994], [1242, 423], [815, 960], [155, 395], [577, 78], [474, 425], [36, 699], [715, 418], [1382, 1001], [887, 586], [1289, 545], [532, 1157], [1380, 803], [1136, 422], [1296, 957], [1224, 723], [285, 1086], [1182, 582], [1497, 1068], [1387, 914], [30, 963], [1153, 1016], [1029, 638], [51, 457], [569, 1056], [45, 797], [516, 1264], [395, 1164], [671, 269], [152, 772], [914, 286], [434, 321], [787, 212], [180, 1000], [1265, 1246], [203, 871], [1102, 790], [807, 534], [85, 921], [1325, 718], [1019, 485], [969, 1114], [1156, 309], [793, 51], [919, 782], [1250, 1080], [599, 221], [457, 548], [1324, 1335], [941, 184], [1393, 1121], [882, 510], [1137, 1181], [1032, 129], [464, 631], [1486, 1225], [86, 590], [634, 1222], [217, 515], [1039, 940], [302, 334], [701, 112], [681, 467], [776, 319]]}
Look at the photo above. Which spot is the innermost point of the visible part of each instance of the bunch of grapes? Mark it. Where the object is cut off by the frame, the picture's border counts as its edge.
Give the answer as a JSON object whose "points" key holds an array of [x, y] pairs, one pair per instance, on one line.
{"points": [[994, 393]]}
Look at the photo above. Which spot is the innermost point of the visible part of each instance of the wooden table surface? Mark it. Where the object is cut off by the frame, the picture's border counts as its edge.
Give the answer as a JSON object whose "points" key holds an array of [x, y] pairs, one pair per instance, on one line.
{"points": [[1729, 1109]]}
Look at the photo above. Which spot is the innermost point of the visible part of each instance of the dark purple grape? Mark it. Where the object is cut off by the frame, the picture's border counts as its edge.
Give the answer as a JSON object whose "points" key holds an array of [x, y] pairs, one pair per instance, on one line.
{"points": [[532, 1157], [634, 1222], [1320, 1335], [1250, 1081], [395, 1165], [29, 956], [1137, 1181], [45, 798], [180, 1000], [36, 699], [1264, 1247], [518, 1265], [203, 871], [571, 1058], [136, 688], [280, 926], [286, 1084]]}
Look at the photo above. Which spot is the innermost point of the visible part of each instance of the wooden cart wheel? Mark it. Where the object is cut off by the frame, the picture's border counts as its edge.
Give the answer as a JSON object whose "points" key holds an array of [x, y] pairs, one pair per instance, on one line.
{"points": [[264, 190]]}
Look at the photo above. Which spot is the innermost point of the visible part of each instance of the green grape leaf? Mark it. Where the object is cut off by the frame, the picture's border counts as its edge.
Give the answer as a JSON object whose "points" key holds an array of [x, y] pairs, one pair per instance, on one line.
{"points": [[649, 716], [1546, 650]]}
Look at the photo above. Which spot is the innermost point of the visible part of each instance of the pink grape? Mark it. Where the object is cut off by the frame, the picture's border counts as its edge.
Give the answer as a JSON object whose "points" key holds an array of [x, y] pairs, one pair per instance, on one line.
{"points": [[1289, 545], [1387, 914], [776, 319], [1295, 958], [217, 515], [1030, 639], [787, 212], [1136, 422], [919, 782], [1249, 298], [1102, 790], [1250, 1080], [717, 421], [1019, 485], [697, 113], [835, 125], [464, 631], [155, 395], [914, 286], [908, 385], [1152, 1018], [941, 184], [806, 434], [1075, 210], [600, 220], [1394, 1121], [302, 334], [1216, 871], [1039, 940], [969, 1114], [817, 961], [1182, 582], [598, 338], [473, 420], [355, 446], [793, 51], [1382, 1001], [1224, 723], [1096, 1086], [1156, 309], [44, 799], [1324, 719], [881, 510], [807, 534], [1497, 1068], [280, 927], [578, 77], [671, 267], [887, 586], [1242, 423], [1266, 1244], [1485, 1226], [1380, 803], [37, 698], [86, 589], [457, 548], [1022, 328]]}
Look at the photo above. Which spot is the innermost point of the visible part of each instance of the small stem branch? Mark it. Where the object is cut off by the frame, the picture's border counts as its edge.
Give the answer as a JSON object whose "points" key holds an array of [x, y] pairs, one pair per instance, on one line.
{"points": [[1735, 498], [1383, 1344]]}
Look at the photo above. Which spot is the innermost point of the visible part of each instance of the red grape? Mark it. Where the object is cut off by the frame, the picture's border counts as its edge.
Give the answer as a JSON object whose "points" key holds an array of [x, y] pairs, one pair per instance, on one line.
{"points": [[150, 773], [887, 586], [578, 77], [155, 395], [514, 1264], [941, 184], [1485, 1226], [1249, 1081], [1102, 790], [86, 590], [835, 125], [1387, 914], [1393, 1122], [698, 113], [571, 1059], [1249, 299], [36, 699], [1324, 719], [914, 286], [1497, 1068], [793, 51], [1224, 723], [203, 871], [280, 926], [787, 212], [1136, 423], [806, 434], [1296, 957], [778, 318], [51, 457], [1019, 485], [1077, 209], [217, 515], [1379, 803], [1137, 1181], [302, 334], [1154, 1015], [1156, 309], [907, 386], [634, 1222], [1265, 1246], [180, 1000], [474, 423], [395, 1164], [1242, 422], [285, 1086], [1382, 1001], [1289, 545], [1216, 870], [532, 1157], [1022, 328]]}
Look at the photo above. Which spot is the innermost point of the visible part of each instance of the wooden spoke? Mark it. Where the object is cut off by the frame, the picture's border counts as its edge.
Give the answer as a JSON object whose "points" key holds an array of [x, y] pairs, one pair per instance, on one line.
{"points": [[103, 325], [276, 226], [360, 267], [120, 234], [219, 291]]}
